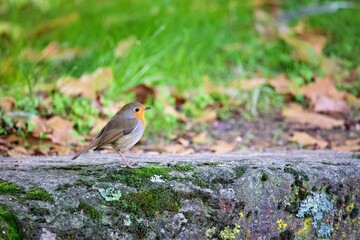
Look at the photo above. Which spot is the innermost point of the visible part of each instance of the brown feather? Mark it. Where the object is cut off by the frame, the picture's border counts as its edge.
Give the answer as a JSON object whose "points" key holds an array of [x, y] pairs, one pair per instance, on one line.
{"points": [[113, 130]]}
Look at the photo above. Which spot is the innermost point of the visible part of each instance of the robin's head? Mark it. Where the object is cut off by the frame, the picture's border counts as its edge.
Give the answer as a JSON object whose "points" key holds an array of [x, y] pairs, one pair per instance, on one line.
{"points": [[134, 110]]}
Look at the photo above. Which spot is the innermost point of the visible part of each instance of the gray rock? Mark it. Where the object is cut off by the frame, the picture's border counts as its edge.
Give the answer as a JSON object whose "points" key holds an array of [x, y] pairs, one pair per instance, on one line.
{"points": [[289, 195]]}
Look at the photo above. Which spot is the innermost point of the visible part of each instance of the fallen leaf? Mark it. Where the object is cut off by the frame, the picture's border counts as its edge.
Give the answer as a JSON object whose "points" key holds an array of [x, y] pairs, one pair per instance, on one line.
{"points": [[250, 84], [325, 98], [41, 126], [52, 52], [295, 113], [184, 142], [201, 138], [222, 147], [124, 46], [88, 84], [352, 145], [352, 100], [61, 131], [60, 150], [206, 116], [7, 103], [282, 84], [171, 111], [302, 50], [18, 151], [54, 24], [143, 92], [174, 148], [325, 104], [306, 139]]}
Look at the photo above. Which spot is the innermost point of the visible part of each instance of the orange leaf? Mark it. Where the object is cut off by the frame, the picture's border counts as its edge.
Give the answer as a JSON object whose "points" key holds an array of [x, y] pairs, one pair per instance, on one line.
{"points": [[7, 103], [88, 84], [325, 97], [124, 46], [143, 92], [61, 131], [306, 139], [249, 84], [282, 84], [295, 113], [222, 147], [349, 146]]}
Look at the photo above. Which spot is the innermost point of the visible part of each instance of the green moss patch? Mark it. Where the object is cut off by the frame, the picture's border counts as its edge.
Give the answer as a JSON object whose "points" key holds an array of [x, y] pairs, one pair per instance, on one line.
{"points": [[239, 171], [9, 187], [151, 202], [9, 228], [299, 189], [139, 176], [183, 167], [39, 194], [89, 210]]}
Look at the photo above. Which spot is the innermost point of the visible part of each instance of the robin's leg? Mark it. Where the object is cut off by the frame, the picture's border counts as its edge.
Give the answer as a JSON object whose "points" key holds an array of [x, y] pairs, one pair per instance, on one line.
{"points": [[122, 156]]}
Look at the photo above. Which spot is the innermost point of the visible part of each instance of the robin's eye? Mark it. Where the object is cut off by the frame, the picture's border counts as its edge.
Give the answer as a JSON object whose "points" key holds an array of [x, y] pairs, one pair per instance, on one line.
{"points": [[137, 109]]}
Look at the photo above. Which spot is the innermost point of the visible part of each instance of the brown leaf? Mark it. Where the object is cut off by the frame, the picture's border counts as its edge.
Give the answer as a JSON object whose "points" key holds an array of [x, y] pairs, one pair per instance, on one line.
{"points": [[184, 142], [306, 139], [352, 145], [302, 50], [60, 150], [170, 110], [62, 130], [295, 113], [7, 103], [18, 151], [222, 147], [325, 97], [206, 116], [41, 126], [143, 92], [249, 84], [88, 84], [324, 104], [124, 46], [352, 100], [201, 138], [282, 84], [51, 52], [54, 24]]}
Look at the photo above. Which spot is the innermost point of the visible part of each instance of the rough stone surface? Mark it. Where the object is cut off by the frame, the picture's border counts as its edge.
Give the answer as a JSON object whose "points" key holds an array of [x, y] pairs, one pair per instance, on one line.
{"points": [[292, 195]]}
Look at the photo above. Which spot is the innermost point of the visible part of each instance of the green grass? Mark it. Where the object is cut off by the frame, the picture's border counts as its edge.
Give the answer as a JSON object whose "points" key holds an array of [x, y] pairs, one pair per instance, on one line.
{"points": [[178, 43], [89, 210]]}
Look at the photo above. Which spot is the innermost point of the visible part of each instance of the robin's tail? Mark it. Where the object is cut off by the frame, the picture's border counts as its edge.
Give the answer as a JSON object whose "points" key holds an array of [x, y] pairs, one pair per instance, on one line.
{"points": [[94, 143]]}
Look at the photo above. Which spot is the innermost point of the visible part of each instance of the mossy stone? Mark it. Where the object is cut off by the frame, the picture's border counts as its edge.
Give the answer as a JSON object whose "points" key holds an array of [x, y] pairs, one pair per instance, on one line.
{"points": [[39, 194], [89, 210], [9, 228], [151, 202], [9, 187]]}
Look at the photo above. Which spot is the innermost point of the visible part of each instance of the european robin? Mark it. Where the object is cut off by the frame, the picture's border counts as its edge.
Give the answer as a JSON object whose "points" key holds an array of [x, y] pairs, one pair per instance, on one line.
{"points": [[122, 132]]}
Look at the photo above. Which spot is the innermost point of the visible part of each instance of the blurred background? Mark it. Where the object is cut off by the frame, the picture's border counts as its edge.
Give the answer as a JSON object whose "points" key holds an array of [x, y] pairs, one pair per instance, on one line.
{"points": [[220, 75]]}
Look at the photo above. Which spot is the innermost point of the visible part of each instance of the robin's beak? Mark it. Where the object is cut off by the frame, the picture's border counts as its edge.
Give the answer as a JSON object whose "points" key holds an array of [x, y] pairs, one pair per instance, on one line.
{"points": [[147, 108]]}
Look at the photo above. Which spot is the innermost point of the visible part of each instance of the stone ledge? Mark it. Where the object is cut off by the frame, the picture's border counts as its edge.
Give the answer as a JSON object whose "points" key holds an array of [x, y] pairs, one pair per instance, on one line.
{"points": [[246, 195]]}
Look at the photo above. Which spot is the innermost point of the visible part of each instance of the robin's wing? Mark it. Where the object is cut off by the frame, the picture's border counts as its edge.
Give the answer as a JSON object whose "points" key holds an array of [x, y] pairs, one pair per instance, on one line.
{"points": [[114, 130]]}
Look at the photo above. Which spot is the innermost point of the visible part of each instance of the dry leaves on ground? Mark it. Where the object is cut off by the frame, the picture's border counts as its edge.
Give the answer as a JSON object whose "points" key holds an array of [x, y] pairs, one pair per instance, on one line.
{"points": [[305, 139], [296, 114], [325, 98], [88, 85]]}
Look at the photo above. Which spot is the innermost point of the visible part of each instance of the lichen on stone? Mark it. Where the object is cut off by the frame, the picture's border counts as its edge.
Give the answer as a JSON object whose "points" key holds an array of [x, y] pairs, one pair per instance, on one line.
{"points": [[324, 230], [110, 194], [316, 205]]}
